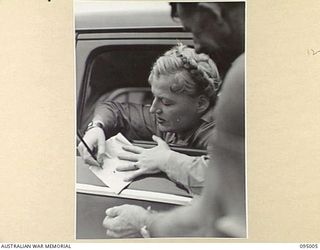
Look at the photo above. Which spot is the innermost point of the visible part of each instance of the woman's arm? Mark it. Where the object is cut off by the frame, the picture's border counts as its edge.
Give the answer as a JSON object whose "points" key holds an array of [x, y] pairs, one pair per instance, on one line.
{"points": [[133, 120]]}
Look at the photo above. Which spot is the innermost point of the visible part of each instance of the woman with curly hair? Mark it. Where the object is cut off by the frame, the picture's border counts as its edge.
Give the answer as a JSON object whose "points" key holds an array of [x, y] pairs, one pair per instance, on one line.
{"points": [[185, 87]]}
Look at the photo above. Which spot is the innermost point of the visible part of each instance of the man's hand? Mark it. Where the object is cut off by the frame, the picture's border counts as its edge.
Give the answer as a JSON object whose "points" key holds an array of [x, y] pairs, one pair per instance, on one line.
{"points": [[145, 161], [94, 138], [126, 221]]}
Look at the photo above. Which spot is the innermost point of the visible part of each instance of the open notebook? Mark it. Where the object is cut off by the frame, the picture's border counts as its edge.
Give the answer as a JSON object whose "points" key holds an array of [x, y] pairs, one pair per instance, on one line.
{"points": [[108, 173]]}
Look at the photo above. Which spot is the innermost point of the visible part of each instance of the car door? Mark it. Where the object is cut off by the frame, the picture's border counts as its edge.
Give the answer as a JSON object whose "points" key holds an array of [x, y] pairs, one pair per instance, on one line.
{"points": [[114, 62]]}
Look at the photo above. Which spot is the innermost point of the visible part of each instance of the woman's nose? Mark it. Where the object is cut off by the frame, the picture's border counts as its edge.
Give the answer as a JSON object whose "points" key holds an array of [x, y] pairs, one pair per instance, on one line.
{"points": [[154, 107]]}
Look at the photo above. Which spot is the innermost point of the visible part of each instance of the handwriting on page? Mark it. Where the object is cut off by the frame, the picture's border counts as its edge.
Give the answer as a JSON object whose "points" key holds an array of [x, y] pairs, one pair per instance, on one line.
{"points": [[313, 52]]}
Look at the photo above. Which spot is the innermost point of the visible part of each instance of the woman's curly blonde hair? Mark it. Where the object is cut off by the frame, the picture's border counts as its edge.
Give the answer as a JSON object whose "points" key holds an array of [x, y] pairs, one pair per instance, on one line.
{"points": [[194, 74]]}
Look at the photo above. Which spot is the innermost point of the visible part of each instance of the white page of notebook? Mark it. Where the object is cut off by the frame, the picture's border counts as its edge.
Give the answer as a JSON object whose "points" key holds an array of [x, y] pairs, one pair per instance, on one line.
{"points": [[108, 173]]}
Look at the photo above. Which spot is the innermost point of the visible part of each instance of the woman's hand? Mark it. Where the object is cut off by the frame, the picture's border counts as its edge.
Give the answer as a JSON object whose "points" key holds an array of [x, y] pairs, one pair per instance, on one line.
{"points": [[145, 161], [94, 138]]}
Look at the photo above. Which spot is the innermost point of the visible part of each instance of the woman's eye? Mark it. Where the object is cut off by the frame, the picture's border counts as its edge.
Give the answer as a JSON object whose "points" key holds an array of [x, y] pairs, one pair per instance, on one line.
{"points": [[166, 102]]}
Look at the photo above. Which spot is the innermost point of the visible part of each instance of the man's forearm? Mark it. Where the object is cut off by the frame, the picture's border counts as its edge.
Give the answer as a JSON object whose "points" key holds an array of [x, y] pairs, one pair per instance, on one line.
{"points": [[180, 222], [194, 220]]}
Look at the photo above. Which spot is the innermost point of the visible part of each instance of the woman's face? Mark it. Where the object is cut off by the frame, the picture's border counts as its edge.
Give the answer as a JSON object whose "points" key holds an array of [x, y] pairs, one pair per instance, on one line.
{"points": [[175, 112]]}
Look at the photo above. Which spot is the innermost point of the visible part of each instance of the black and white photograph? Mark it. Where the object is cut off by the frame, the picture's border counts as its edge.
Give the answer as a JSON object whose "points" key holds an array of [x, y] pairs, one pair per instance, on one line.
{"points": [[160, 119], [133, 122]]}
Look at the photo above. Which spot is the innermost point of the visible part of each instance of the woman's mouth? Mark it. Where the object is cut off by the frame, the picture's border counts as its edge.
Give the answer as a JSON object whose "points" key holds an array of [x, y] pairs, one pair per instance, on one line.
{"points": [[160, 120]]}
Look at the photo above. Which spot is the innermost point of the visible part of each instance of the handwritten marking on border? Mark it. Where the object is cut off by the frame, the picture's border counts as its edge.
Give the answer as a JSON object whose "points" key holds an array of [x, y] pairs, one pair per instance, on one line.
{"points": [[313, 52]]}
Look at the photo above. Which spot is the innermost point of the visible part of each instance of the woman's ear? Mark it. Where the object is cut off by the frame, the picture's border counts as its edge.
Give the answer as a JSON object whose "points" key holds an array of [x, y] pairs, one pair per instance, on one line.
{"points": [[203, 104]]}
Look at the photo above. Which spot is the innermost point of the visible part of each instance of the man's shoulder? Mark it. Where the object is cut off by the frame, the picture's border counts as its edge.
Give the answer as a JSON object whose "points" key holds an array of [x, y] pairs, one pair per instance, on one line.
{"points": [[239, 60], [236, 71], [230, 107], [234, 80]]}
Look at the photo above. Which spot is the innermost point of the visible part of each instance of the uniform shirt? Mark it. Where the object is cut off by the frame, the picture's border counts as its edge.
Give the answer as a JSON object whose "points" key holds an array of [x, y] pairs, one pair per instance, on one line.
{"points": [[136, 122]]}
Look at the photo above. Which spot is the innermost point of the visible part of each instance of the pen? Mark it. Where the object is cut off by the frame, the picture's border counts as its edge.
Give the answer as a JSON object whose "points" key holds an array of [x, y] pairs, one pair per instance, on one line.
{"points": [[87, 147]]}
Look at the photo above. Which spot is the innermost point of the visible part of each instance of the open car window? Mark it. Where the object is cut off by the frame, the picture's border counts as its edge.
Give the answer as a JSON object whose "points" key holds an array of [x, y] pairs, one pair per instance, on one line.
{"points": [[116, 68], [117, 73], [120, 73]]}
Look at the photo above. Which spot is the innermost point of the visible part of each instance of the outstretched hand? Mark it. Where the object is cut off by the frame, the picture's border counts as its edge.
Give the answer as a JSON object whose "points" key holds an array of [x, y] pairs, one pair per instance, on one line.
{"points": [[145, 161]]}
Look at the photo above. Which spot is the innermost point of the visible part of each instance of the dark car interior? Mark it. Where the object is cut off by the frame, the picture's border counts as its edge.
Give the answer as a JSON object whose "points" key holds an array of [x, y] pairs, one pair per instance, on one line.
{"points": [[118, 73]]}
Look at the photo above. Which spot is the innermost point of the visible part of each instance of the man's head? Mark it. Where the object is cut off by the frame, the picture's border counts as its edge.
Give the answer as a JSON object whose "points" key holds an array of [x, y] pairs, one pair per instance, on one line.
{"points": [[217, 28], [184, 85]]}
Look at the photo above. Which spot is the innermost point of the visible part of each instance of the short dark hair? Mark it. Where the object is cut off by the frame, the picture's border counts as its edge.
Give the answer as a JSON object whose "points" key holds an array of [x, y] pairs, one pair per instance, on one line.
{"points": [[224, 5], [174, 13], [174, 5]]}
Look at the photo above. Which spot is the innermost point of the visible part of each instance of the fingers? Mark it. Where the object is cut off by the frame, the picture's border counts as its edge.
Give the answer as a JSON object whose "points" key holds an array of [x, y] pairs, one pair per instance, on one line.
{"points": [[134, 175], [101, 151], [111, 223], [133, 149], [91, 140], [80, 149], [112, 234], [116, 234], [94, 137], [113, 211], [88, 158], [117, 225], [129, 157], [124, 221], [158, 140], [127, 167]]}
